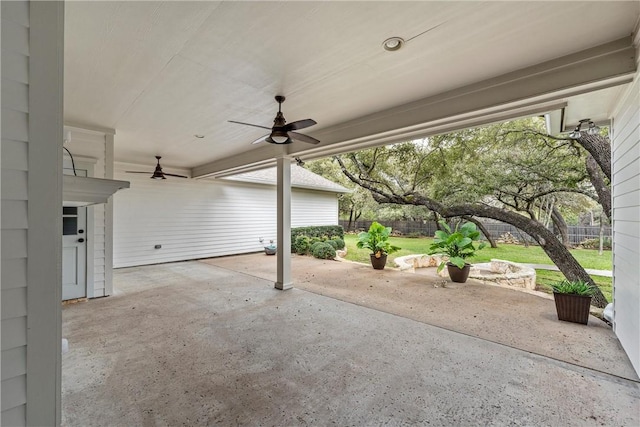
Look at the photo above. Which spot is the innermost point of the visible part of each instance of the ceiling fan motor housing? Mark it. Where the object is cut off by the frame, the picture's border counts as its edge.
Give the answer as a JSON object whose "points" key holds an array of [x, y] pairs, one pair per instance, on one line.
{"points": [[157, 173], [281, 132]]}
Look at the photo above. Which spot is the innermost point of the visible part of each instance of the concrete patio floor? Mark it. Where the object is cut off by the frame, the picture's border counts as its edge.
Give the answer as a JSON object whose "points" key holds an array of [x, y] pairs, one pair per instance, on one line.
{"points": [[203, 343]]}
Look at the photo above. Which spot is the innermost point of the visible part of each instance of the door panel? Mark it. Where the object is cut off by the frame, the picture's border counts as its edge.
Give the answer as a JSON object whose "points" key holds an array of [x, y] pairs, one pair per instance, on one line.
{"points": [[69, 265], [74, 252]]}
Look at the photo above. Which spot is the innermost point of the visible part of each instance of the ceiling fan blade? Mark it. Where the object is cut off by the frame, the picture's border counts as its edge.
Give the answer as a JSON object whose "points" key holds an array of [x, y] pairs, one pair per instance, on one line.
{"points": [[261, 139], [300, 124], [138, 172], [303, 138], [249, 124], [177, 176]]}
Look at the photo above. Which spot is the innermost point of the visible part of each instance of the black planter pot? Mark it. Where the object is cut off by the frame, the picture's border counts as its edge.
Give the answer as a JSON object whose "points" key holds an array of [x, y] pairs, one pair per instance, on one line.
{"points": [[378, 263], [458, 275], [572, 308]]}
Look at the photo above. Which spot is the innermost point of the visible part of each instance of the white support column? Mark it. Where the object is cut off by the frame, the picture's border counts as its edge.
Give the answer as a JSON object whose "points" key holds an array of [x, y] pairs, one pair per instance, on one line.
{"points": [[284, 224], [108, 218], [44, 240]]}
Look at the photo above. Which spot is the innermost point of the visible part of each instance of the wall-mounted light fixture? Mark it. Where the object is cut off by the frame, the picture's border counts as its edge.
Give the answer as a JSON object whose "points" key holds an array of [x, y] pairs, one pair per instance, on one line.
{"points": [[299, 161], [591, 130]]}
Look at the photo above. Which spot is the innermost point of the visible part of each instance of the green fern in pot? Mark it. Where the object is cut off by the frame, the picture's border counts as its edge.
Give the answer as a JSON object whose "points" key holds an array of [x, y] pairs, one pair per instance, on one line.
{"points": [[458, 244], [377, 241]]}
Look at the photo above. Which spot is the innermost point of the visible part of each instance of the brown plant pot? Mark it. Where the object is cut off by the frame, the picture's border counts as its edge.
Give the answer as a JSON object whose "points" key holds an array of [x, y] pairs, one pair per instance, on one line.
{"points": [[458, 275], [378, 263], [572, 308]]}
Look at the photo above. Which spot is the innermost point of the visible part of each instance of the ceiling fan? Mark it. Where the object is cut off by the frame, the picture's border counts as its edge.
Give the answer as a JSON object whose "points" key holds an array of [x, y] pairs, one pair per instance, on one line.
{"points": [[281, 132], [157, 173]]}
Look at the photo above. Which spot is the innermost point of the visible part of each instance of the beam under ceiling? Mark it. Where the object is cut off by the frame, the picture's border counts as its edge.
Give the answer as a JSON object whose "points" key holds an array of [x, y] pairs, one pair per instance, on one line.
{"points": [[527, 91]]}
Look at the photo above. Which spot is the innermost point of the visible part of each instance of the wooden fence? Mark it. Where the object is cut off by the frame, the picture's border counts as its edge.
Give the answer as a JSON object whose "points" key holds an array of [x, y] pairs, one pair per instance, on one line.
{"points": [[577, 234]]}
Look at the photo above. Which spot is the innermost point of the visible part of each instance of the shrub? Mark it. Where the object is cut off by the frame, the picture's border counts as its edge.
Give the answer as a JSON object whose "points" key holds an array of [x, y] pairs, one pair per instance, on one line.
{"points": [[301, 245], [314, 245], [595, 244], [304, 244], [333, 243], [339, 243], [323, 250], [318, 231]]}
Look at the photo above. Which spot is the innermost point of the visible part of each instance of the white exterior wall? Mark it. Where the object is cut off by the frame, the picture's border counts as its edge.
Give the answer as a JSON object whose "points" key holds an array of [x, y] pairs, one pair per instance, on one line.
{"points": [[15, 166], [626, 221], [313, 207], [202, 218], [31, 193], [94, 147]]}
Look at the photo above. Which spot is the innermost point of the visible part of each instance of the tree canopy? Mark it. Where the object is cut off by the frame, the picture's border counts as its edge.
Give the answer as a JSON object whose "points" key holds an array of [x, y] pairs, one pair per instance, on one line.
{"points": [[512, 172]]}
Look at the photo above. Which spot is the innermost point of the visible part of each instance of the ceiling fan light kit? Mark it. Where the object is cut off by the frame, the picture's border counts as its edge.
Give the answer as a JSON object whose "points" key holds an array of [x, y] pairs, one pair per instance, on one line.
{"points": [[281, 132], [279, 137]]}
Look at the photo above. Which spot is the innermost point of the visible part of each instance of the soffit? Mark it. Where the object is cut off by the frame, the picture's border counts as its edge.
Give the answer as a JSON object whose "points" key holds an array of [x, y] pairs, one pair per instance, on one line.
{"points": [[160, 72]]}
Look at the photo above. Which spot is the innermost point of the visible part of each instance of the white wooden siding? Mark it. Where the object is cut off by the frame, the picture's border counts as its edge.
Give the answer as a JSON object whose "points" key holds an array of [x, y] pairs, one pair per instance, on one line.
{"points": [[198, 219], [310, 207], [626, 222], [14, 194]]}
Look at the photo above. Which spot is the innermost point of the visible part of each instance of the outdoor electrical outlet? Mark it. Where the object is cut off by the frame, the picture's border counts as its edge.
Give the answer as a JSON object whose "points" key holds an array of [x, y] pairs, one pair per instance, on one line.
{"points": [[157, 246]]}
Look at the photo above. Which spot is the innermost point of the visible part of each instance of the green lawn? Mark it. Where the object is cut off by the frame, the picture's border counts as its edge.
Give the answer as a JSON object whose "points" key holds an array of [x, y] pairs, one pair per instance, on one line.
{"points": [[516, 253]]}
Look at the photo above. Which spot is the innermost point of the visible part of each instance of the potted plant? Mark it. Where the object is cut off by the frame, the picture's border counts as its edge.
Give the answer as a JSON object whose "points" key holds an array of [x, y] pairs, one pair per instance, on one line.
{"points": [[458, 245], [573, 300], [377, 241]]}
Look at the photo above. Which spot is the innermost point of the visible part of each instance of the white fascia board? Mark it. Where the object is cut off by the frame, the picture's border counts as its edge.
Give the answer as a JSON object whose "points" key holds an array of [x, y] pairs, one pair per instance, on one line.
{"points": [[323, 189], [96, 130], [489, 101], [84, 191], [302, 186], [430, 129]]}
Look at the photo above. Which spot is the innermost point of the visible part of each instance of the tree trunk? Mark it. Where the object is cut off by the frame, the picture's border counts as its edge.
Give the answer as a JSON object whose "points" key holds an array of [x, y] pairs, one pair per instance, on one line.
{"points": [[600, 149], [550, 207], [560, 227], [601, 243], [602, 188], [558, 253], [484, 230]]}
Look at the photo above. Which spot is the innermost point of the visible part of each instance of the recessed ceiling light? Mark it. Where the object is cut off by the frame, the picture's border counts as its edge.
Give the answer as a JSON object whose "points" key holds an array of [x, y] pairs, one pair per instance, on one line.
{"points": [[199, 136], [393, 43]]}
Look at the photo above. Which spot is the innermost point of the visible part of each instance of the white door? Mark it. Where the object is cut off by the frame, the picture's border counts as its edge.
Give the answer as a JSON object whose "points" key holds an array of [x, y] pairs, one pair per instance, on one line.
{"points": [[74, 252]]}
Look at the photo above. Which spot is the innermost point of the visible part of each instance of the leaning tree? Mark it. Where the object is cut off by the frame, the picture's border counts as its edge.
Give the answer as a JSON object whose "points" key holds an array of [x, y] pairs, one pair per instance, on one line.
{"points": [[491, 172]]}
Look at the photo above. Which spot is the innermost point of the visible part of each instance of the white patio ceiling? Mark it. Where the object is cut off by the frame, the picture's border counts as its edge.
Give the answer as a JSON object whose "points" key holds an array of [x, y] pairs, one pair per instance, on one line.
{"points": [[161, 72]]}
